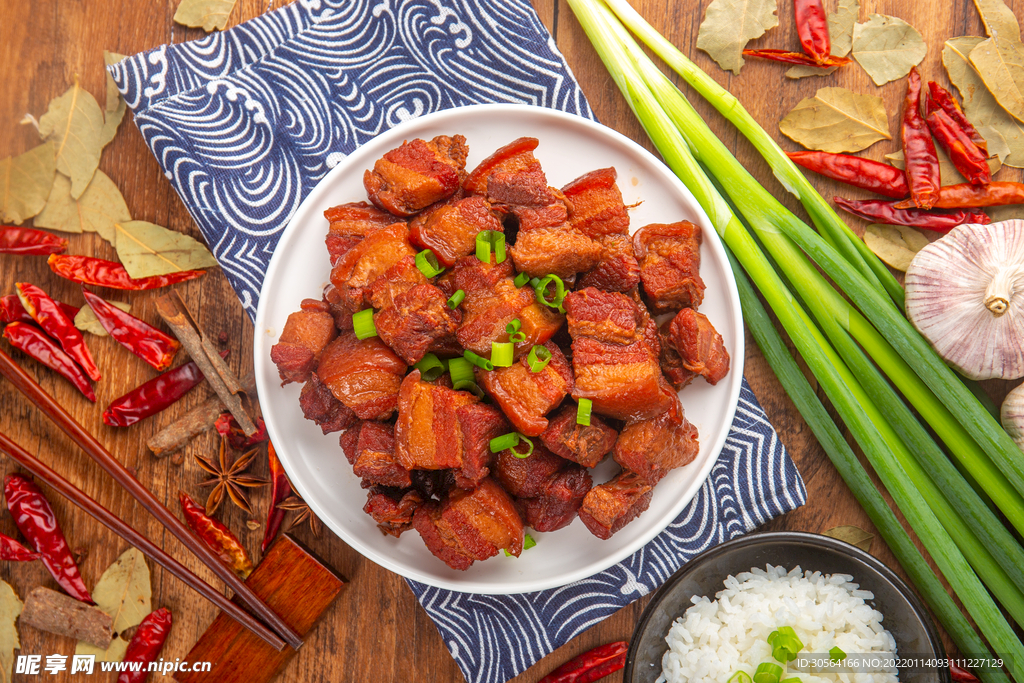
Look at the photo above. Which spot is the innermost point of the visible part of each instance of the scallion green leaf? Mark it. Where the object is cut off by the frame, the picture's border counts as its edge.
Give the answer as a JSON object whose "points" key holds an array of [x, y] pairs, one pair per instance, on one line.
{"points": [[837, 654], [431, 367], [504, 442], [528, 542], [478, 361], [768, 672], [455, 299], [515, 331], [470, 386], [529, 448], [521, 279], [362, 324], [502, 354], [583, 408], [426, 261], [538, 358], [488, 242], [740, 677], [559, 294], [461, 370]]}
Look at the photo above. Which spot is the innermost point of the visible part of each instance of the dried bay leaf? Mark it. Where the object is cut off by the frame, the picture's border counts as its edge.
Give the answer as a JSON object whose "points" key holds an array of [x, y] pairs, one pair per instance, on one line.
{"points": [[210, 15], [114, 653], [25, 182], [730, 24], [1000, 63], [86, 320], [74, 123], [124, 592], [98, 210], [837, 120], [10, 608], [840, 34], [114, 106], [895, 244], [852, 535], [947, 171], [998, 19], [146, 249], [887, 47]]}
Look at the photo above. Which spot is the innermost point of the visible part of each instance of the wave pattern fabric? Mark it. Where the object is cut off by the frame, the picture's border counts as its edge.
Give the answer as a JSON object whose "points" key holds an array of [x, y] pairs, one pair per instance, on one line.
{"points": [[245, 123]]}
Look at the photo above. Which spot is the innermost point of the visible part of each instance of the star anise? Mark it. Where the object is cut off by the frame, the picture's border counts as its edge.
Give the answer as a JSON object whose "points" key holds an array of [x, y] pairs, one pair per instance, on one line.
{"points": [[229, 478], [296, 504]]}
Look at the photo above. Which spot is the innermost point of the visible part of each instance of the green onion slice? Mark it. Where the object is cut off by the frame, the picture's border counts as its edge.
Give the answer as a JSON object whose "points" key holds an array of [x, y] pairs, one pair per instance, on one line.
{"points": [[515, 331], [781, 653], [768, 672], [470, 386], [539, 358], [837, 654], [431, 367], [583, 412], [541, 290], [362, 322], [455, 299], [534, 281], [503, 442], [461, 370], [521, 279], [426, 261], [488, 241], [740, 677], [478, 361], [502, 354], [528, 542], [792, 679], [529, 447]]}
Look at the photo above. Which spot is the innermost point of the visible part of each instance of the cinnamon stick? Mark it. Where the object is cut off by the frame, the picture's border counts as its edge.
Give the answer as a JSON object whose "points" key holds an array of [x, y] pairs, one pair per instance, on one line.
{"points": [[176, 435], [55, 612]]}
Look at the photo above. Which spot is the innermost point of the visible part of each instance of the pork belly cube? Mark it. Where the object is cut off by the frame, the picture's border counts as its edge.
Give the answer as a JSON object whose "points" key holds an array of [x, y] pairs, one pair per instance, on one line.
{"points": [[360, 267], [349, 224], [302, 342], [622, 381], [471, 525], [699, 345], [398, 279], [450, 231], [319, 405], [417, 174], [349, 440], [374, 460], [669, 257], [609, 317], [365, 375], [583, 444], [513, 176], [560, 250], [339, 309], [617, 270], [392, 510], [479, 423], [610, 506], [534, 217], [539, 323], [653, 447], [670, 360], [428, 433], [526, 396], [560, 502], [492, 301], [597, 206], [527, 477]]}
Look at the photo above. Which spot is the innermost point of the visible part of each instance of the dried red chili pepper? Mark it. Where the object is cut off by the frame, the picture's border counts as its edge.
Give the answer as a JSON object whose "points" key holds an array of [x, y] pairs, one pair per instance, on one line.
{"points": [[812, 27], [30, 242], [56, 323], [961, 675], [94, 271], [35, 343], [280, 489], [228, 427], [940, 98], [139, 337], [788, 57], [591, 665], [146, 644], [11, 310], [863, 173], [880, 211], [155, 395], [920, 157], [967, 196], [965, 155], [13, 551], [216, 535], [36, 521]]}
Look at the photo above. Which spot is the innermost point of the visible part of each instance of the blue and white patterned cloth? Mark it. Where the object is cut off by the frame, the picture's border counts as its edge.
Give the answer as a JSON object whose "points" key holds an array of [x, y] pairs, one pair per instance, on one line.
{"points": [[246, 122]]}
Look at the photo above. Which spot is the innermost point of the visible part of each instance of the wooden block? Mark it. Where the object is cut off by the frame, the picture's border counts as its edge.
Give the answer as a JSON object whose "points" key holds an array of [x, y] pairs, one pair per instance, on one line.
{"points": [[296, 585]]}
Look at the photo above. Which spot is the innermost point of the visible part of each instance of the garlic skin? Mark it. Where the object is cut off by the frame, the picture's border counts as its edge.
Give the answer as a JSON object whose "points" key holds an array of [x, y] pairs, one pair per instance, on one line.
{"points": [[965, 295], [1011, 415]]}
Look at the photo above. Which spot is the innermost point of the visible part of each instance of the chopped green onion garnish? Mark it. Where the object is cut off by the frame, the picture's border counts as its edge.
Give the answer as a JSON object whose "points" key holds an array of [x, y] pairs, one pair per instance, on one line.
{"points": [[521, 279], [583, 412], [740, 677], [455, 299], [470, 386], [362, 322], [768, 672], [478, 361], [503, 442], [488, 241], [515, 331], [837, 654], [539, 358], [528, 542], [502, 354], [461, 370], [431, 367], [529, 447], [426, 261], [534, 281], [541, 290], [781, 653], [793, 679]]}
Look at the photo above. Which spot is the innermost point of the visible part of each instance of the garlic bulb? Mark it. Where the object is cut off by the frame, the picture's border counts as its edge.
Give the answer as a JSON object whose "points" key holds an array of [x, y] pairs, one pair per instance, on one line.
{"points": [[965, 295], [1011, 415]]}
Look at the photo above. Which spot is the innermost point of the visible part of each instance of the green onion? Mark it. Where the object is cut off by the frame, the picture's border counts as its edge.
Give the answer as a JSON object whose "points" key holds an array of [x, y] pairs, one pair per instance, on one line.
{"points": [[534, 281], [488, 241], [504, 442], [515, 331], [740, 677], [461, 370], [529, 447], [541, 289], [521, 279], [538, 358], [362, 323], [792, 679], [426, 261], [455, 299], [478, 361], [583, 409], [528, 542], [837, 654], [768, 672], [502, 354], [470, 386], [785, 644], [431, 367]]}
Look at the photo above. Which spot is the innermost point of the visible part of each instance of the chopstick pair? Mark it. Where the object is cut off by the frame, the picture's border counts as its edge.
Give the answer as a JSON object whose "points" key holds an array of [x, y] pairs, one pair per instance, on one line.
{"points": [[270, 627]]}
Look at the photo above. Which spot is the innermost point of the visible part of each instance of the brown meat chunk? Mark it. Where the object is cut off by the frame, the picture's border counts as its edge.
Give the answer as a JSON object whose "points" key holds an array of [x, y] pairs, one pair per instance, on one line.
{"points": [[302, 341], [450, 231], [339, 309], [349, 224], [669, 257], [374, 459], [360, 267], [428, 433], [396, 280], [393, 514], [533, 217], [583, 444], [618, 270], [700, 347], [492, 301], [527, 477], [610, 506], [479, 423], [597, 206], [513, 176], [671, 363], [417, 174], [526, 396], [319, 405], [609, 317], [539, 323], [559, 250], [365, 375], [471, 525], [653, 447], [560, 502]]}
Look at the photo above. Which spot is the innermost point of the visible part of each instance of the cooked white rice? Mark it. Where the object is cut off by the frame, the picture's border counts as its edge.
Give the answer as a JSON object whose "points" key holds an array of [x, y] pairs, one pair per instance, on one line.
{"points": [[715, 639]]}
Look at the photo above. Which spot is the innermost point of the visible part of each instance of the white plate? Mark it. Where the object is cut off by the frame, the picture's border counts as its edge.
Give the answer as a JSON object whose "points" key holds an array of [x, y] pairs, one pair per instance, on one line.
{"points": [[569, 147]]}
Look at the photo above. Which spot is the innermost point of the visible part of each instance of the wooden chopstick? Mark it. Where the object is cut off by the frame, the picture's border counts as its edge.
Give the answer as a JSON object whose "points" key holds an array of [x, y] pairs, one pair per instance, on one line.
{"points": [[24, 383], [148, 548]]}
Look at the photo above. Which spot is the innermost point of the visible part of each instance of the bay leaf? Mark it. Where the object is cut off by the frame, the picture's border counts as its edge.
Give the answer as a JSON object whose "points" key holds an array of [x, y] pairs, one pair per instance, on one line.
{"points": [[86, 320], [10, 608], [852, 535], [114, 105], [837, 120], [887, 47], [123, 591], [896, 245], [25, 182], [998, 19], [98, 210], [979, 106], [840, 35], [74, 123], [1000, 64], [146, 249], [114, 653], [209, 14], [730, 24], [948, 175]]}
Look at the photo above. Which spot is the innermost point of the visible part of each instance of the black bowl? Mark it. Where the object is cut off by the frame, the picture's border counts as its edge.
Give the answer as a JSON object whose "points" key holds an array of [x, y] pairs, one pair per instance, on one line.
{"points": [[905, 616]]}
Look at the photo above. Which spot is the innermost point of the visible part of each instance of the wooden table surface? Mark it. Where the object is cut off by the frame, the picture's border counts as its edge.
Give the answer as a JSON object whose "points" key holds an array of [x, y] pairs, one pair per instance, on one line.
{"points": [[376, 630]]}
